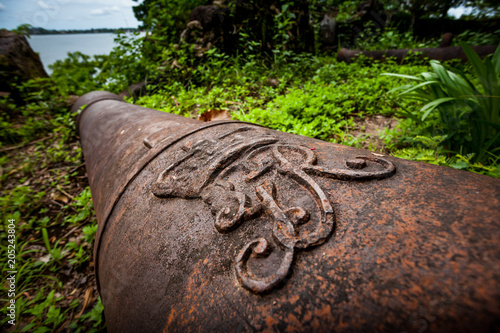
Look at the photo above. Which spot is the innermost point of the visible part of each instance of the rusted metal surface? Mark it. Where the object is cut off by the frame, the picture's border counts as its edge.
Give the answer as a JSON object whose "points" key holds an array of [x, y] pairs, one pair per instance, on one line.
{"points": [[437, 53], [228, 226]]}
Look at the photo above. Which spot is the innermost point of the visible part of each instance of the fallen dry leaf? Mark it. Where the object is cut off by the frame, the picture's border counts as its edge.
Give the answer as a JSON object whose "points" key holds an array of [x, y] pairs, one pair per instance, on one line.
{"points": [[175, 101], [45, 258], [60, 197], [86, 301], [176, 65], [212, 115]]}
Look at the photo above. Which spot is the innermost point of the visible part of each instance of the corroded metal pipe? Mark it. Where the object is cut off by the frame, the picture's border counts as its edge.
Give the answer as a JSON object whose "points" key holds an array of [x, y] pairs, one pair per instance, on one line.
{"points": [[436, 53], [229, 226]]}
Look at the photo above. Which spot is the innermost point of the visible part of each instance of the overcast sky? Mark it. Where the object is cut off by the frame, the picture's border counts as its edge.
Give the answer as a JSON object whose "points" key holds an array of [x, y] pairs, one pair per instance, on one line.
{"points": [[68, 14]]}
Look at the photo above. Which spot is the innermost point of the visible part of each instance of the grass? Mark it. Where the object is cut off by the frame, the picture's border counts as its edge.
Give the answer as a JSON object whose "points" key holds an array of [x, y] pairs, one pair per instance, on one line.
{"points": [[44, 189]]}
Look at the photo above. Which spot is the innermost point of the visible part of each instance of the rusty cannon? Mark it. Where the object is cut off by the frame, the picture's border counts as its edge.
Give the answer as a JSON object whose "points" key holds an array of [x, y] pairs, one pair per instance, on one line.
{"points": [[232, 227], [399, 55]]}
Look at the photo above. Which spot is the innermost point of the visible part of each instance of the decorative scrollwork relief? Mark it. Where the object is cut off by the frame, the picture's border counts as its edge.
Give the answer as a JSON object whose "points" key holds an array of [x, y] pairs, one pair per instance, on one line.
{"points": [[236, 173]]}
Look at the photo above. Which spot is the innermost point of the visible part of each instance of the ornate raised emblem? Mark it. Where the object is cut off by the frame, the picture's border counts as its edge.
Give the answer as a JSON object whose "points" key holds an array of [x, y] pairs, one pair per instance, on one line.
{"points": [[237, 173]]}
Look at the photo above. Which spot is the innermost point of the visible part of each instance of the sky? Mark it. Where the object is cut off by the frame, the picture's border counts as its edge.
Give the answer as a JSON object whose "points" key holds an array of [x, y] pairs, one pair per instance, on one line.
{"points": [[457, 12], [68, 14]]}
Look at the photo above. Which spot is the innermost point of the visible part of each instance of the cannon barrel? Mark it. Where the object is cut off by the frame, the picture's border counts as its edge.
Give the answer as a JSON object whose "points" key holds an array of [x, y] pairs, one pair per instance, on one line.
{"points": [[436, 53], [232, 227]]}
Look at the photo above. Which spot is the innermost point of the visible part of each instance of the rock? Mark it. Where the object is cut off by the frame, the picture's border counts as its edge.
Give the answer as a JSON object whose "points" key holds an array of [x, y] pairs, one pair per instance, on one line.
{"points": [[208, 26], [192, 25], [327, 32], [216, 25], [212, 17], [18, 63], [135, 91]]}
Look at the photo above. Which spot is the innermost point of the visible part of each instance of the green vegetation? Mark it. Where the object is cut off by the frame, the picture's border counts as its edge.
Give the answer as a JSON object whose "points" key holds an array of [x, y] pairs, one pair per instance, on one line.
{"points": [[468, 113], [44, 189], [390, 38], [450, 118]]}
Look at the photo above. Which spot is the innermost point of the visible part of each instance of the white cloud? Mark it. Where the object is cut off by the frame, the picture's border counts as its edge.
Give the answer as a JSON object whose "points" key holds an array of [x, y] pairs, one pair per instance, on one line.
{"points": [[43, 5], [95, 3], [128, 3], [2, 7], [98, 12], [104, 11], [459, 11], [49, 4]]}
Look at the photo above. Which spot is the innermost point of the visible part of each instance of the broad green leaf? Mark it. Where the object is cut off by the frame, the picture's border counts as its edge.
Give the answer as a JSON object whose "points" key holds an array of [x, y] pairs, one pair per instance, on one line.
{"points": [[475, 60], [432, 105], [495, 60], [403, 76], [419, 86]]}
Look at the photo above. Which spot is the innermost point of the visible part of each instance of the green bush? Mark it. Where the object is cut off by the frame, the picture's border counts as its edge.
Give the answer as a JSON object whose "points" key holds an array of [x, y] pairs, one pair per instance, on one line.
{"points": [[465, 111], [389, 38], [477, 38]]}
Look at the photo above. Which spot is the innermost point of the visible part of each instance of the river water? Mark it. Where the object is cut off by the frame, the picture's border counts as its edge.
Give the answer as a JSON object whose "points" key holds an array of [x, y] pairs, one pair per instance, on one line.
{"points": [[56, 47]]}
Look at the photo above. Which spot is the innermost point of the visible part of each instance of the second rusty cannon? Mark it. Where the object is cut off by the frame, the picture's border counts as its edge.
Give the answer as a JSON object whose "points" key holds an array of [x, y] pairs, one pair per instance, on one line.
{"points": [[399, 55], [229, 226]]}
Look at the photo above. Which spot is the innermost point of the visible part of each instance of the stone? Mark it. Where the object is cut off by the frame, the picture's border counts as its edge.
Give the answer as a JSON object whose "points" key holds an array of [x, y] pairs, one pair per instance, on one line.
{"points": [[208, 26], [135, 90], [18, 63], [327, 32]]}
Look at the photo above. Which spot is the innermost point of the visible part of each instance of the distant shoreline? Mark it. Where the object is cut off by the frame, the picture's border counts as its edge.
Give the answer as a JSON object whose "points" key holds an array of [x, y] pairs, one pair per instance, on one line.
{"points": [[42, 31]]}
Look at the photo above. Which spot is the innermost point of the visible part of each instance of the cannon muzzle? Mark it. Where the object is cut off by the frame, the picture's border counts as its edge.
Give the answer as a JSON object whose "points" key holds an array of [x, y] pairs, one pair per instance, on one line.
{"points": [[233, 227]]}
